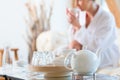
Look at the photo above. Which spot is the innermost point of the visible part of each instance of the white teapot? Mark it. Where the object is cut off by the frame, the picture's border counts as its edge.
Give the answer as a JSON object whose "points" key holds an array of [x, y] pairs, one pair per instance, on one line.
{"points": [[83, 61], [61, 55]]}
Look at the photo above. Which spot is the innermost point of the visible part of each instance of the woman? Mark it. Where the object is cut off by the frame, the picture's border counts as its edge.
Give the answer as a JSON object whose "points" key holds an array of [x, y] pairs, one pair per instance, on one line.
{"points": [[98, 32]]}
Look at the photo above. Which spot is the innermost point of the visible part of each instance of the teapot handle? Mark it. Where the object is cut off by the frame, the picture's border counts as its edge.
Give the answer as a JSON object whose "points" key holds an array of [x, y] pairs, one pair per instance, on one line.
{"points": [[67, 61]]}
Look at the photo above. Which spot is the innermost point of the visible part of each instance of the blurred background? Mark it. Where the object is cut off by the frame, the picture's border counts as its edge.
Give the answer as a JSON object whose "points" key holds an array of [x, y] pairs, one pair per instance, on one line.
{"points": [[31, 25]]}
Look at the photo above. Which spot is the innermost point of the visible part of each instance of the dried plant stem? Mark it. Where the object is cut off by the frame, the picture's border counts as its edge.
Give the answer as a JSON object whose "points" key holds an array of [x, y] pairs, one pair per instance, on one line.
{"points": [[36, 23]]}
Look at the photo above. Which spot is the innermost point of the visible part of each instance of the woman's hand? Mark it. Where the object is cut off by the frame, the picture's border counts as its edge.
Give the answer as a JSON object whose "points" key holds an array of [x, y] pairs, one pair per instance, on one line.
{"points": [[75, 45], [73, 19]]}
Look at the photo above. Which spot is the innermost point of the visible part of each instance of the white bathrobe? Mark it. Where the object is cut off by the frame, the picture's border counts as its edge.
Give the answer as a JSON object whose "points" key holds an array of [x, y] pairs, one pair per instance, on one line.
{"points": [[101, 33]]}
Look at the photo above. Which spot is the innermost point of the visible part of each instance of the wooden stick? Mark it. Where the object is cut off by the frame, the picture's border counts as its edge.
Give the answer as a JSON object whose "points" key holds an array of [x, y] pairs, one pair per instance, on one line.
{"points": [[2, 78], [15, 53], [1, 56]]}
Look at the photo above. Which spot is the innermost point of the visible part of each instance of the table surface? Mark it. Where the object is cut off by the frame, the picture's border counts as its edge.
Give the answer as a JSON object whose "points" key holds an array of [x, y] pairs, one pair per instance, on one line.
{"points": [[25, 74]]}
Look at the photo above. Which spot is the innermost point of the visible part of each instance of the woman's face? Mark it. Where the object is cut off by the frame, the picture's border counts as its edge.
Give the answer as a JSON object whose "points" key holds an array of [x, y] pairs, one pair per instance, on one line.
{"points": [[84, 4]]}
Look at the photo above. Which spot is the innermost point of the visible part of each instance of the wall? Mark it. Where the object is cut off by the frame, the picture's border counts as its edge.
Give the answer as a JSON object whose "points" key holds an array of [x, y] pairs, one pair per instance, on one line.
{"points": [[59, 21], [12, 26]]}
